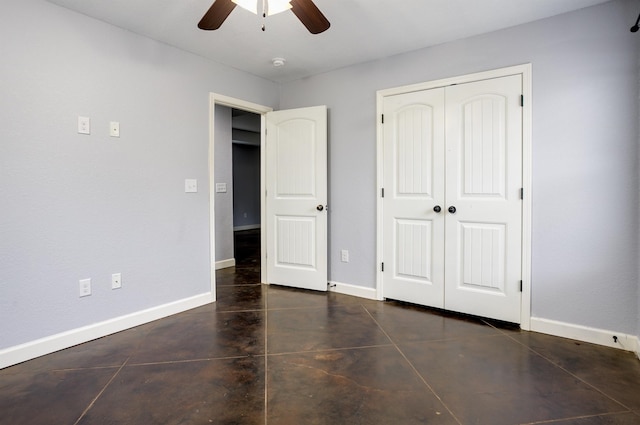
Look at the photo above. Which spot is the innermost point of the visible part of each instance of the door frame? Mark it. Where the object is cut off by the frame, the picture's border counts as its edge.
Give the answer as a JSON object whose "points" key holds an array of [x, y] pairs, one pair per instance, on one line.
{"points": [[525, 71], [219, 99]]}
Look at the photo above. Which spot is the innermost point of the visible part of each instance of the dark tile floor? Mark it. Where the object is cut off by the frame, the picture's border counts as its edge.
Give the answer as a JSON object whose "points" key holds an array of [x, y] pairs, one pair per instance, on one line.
{"points": [[273, 355]]}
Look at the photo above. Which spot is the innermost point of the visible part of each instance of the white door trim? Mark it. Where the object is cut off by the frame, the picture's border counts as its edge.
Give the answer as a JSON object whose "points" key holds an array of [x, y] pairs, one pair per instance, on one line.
{"points": [[219, 99], [525, 71]]}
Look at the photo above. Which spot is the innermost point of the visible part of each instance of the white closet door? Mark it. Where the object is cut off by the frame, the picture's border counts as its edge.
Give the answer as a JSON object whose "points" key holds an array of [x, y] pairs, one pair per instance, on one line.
{"points": [[297, 197], [458, 148], [483, 183], [414, 186]]}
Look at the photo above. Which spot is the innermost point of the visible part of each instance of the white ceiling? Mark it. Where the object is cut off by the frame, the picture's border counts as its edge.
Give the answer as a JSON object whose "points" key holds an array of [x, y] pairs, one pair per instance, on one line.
{"points": [[361, 30]]}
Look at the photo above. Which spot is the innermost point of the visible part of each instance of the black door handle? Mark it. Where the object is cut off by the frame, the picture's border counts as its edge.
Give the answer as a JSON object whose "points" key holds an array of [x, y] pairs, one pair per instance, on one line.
{"points": [[320, 208], [452, 209], [437, 208]]}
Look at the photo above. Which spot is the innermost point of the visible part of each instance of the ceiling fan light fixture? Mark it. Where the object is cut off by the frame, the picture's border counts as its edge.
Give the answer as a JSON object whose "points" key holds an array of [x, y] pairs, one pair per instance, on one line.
{"points": [[270, 7], [250, 5], [305, 10], [277, 6]]}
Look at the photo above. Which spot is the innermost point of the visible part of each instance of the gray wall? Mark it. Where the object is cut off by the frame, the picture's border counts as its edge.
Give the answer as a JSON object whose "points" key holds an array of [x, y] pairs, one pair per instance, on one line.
{"points": [[585, 155], [76, 206], [223, 174], [246, 182]]}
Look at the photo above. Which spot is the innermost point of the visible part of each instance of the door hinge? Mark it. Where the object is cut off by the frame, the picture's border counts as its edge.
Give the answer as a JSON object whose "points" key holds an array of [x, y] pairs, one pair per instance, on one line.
{"points": [[382, 269], [382, 192], [382, 119], [520, 286], [522, 193], [522, 100]]}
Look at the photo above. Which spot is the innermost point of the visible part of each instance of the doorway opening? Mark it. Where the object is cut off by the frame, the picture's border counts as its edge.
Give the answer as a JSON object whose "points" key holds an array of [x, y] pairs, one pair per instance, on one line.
{"points": [[295, 228], [214, 133], [245, 128]]}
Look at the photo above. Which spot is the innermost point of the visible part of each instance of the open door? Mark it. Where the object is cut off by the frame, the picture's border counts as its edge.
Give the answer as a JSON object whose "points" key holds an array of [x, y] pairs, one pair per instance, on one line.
{"points": [[296, 198]]}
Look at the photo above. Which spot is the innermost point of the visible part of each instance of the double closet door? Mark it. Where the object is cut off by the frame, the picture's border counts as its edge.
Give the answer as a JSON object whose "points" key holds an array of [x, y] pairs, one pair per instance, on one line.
{"points": [[452, 208]]}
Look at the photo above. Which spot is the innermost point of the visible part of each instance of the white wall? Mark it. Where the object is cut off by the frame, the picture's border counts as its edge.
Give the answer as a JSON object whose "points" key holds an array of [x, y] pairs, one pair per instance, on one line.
{"points": [[585, 155], [76, 206]]}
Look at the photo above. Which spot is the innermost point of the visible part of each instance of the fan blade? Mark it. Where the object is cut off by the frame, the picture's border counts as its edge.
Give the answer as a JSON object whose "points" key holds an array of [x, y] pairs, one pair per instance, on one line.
{"points": [[310, 16], [216, 14]]}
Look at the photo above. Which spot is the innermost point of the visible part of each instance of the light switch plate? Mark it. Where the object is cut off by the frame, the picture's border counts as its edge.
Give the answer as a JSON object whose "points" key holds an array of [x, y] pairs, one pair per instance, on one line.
{"points": [[221, 188], [191, 185]]}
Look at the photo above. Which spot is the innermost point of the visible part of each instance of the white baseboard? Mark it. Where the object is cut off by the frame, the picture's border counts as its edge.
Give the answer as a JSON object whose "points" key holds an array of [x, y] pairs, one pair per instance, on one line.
{"points": [[247, 227], [223, 264], [353, 290], [586, 334], [30, 350]]}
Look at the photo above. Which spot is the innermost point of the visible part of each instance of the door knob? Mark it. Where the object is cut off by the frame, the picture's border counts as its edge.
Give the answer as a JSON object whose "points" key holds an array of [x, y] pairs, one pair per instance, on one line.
{"points": [[437, 208], [452, 209], [320, 208]]}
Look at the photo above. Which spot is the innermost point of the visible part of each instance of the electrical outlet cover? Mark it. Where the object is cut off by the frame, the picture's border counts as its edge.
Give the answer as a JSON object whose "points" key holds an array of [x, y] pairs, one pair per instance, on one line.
{"points": [[114, 129], [84, 125], [344, 256], [116, 281], [85, 287]]}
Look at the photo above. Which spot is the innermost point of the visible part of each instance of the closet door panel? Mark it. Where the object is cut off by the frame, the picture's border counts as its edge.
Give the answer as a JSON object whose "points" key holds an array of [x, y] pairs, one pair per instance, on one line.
{"points": [[414, 185], [483, 182]]}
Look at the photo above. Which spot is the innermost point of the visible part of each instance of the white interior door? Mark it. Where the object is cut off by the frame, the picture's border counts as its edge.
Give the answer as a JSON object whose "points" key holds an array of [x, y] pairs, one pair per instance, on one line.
{"points": [[483, 182], [414, 186], [458, 150], [296, 198]]}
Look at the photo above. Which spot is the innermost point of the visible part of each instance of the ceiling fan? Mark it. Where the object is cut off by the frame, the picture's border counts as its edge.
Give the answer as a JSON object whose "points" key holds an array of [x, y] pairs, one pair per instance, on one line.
{"points": [[306, 11]]}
